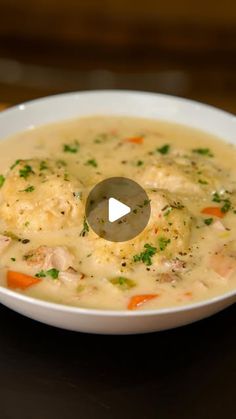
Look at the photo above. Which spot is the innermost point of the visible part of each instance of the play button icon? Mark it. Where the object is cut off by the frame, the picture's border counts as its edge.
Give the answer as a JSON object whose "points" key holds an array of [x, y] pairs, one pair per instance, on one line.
{"points": [[118, 209]]}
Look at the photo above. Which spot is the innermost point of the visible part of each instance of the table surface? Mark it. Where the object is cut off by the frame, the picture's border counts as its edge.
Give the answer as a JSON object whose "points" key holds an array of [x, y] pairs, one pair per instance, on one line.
{"points": [[188, 372]]}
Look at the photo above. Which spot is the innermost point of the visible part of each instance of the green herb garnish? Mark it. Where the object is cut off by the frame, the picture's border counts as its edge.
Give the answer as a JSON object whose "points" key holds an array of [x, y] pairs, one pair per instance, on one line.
{"points": [[202, 182], [139, 163], [123, 283], [85, 229], [163, 242], [101, 138], [43, 166], [164, 149], [203, 152], [168, 210], [146, 255], [28, 189], [216, 197], [2, 180], [61, 163], [71, 148], [227, 205], [91, 162], [208, 221], [26, 171], [15, 164], [40, 274], [53, 273]]}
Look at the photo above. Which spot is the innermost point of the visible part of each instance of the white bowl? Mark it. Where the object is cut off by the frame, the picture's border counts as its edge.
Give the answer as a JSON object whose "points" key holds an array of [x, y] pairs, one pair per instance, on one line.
{"points": [[140, 104]]}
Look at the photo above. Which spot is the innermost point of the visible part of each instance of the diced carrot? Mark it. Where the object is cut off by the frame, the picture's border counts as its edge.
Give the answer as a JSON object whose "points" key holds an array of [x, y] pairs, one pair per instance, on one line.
{"points": [[188, 294], [20, 280], [138, 300], [135, 140], [215, 211]]}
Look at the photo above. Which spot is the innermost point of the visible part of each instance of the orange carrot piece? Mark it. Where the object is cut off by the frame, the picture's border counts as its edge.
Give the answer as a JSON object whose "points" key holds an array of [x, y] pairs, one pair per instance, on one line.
{"points": [[135, 140], [20, 280], [188, 294], [138, 300], [215, 211]]}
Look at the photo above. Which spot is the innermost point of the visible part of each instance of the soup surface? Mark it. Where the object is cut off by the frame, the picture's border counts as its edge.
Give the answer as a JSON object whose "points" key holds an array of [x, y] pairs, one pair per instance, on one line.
{"points": [[186, 253]]}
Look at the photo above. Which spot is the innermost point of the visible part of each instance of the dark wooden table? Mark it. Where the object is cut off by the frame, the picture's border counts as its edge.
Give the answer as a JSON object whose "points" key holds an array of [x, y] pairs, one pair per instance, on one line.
{"points": [[184, 373]]}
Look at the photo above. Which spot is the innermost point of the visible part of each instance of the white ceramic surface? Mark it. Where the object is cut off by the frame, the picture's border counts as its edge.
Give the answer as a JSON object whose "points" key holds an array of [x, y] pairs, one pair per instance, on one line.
{"points": [[140, 104]]}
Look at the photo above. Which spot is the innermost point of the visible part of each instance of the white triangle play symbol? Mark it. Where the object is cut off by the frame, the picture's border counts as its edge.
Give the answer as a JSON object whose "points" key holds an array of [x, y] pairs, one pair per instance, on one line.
{"points": [[116, 209]]}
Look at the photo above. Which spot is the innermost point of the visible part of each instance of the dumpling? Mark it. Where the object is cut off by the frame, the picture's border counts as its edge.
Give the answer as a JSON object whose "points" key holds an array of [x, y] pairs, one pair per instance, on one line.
{"points": [[187, 175], [168, 231], [40, 196]]}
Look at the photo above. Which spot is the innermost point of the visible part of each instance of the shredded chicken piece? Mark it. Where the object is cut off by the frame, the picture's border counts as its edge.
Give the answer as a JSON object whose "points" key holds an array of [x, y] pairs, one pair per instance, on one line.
{"points": [[218, 225], [223, 262], [50, 257], [168, 278]]}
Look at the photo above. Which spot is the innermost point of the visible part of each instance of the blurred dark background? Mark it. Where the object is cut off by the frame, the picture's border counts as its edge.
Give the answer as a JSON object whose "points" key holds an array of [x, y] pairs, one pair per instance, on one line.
{"points": [[180, 47]]}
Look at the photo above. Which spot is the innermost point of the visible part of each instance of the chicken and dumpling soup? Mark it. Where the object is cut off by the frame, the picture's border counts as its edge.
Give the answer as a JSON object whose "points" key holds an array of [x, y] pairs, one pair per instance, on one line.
{"points": [[48, 250]]}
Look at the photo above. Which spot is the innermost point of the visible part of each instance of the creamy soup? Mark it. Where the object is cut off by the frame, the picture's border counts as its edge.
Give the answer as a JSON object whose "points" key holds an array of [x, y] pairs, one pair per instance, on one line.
{"points": [[48, 250]]}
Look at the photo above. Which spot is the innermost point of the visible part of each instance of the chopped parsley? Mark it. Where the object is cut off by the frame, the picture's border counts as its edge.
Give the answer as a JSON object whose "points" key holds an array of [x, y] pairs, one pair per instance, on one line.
{"points": [[61, 163], [26, 171], [203, 152], [164, 149], [216, 197], [53, 273], [91, 162], [85, 229], [123, 283], [101, 138], [2, 180], [227, 205], [139, 163], [43, 166], [208, 221], [163, 242], [71, 148], [15, 164], [226, 202], [168, 210], [28, 189], [13, 259], [202, 182], [146, 255]]}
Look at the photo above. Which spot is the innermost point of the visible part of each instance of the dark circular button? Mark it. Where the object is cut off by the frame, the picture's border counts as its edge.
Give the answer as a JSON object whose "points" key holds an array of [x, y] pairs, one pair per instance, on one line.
{"points": [[118, 209]]}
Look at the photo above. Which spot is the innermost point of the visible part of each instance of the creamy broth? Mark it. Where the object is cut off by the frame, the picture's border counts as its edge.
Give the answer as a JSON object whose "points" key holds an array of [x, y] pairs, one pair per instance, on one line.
{"points": [[187, 252]]}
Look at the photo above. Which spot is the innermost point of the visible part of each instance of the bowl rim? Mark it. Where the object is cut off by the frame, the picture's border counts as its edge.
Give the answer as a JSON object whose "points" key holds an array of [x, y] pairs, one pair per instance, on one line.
{"points": [[22, 106], [108, 312], [115, 313]]}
